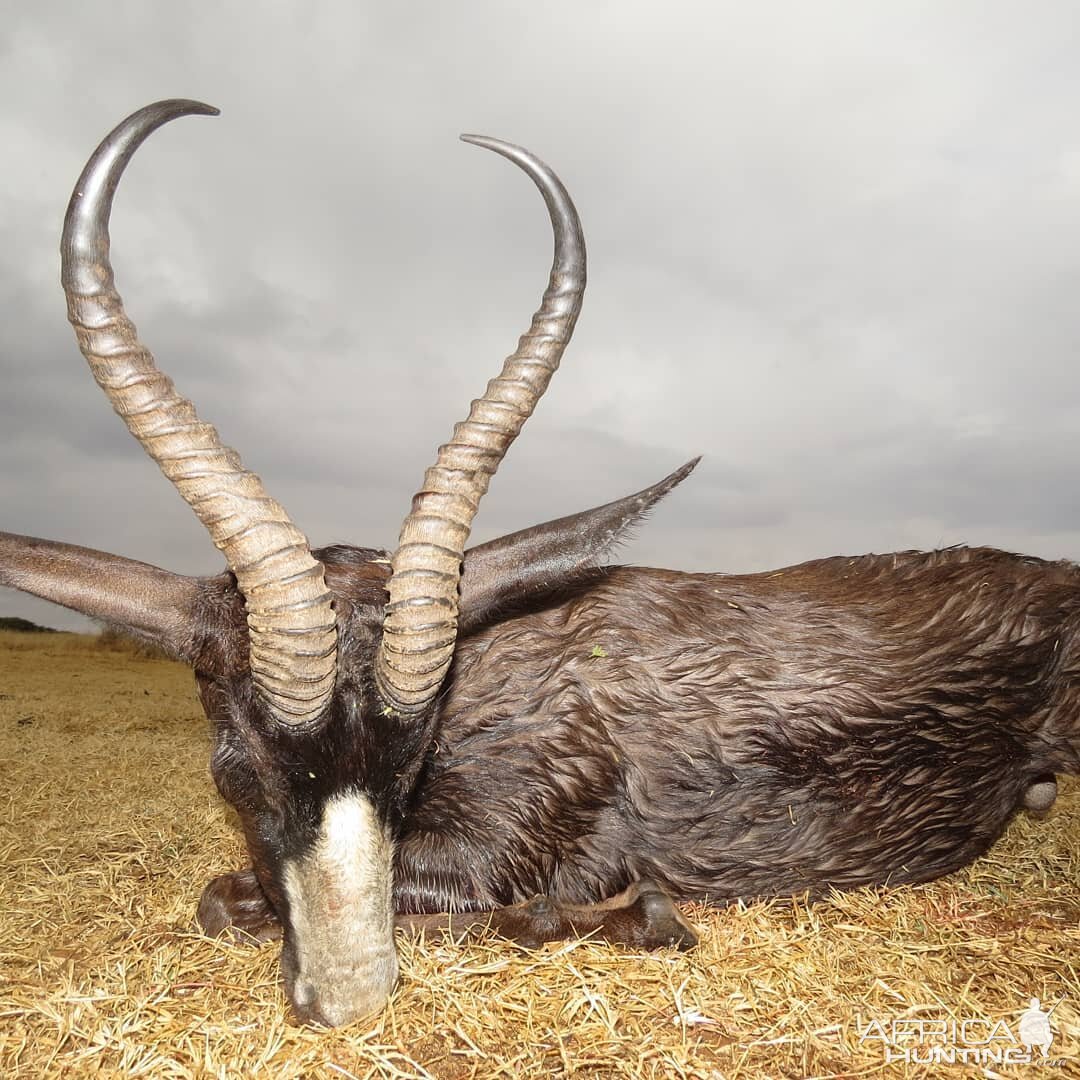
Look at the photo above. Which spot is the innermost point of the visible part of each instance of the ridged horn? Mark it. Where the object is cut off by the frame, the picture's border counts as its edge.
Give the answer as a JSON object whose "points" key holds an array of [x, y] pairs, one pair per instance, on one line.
{"points": [[291, 624], [420, 625]]}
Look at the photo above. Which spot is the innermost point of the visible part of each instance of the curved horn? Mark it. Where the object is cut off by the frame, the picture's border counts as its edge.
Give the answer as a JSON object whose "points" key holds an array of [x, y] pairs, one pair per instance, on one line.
{"points": [[420, 627], [291, 624]]}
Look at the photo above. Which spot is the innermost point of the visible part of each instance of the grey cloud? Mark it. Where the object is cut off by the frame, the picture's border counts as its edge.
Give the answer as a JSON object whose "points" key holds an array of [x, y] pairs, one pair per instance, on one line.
{"points": [[833, 248]]}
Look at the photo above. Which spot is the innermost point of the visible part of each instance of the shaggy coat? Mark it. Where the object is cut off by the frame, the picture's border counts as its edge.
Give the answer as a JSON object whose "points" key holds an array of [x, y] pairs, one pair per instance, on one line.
{"points": [[844, 722]]}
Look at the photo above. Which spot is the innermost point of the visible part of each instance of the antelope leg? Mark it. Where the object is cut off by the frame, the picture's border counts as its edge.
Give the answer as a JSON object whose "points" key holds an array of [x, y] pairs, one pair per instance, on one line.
{"points": [[642, 917], [234, 905]]}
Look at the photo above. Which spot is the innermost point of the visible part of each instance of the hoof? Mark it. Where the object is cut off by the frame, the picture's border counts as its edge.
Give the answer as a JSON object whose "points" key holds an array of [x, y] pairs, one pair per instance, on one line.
{"points": [[234, 907], [540, 905], [666, 926]]}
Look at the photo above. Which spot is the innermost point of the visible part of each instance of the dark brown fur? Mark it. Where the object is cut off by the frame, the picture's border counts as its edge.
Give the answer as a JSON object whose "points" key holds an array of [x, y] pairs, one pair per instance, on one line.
{"points": [[848, 721], [844, 722]]}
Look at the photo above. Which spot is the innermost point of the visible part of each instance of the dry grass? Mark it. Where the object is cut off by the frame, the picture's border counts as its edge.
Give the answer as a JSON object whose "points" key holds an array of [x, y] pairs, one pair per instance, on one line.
{"points": [[112, 827], [113, 640]]}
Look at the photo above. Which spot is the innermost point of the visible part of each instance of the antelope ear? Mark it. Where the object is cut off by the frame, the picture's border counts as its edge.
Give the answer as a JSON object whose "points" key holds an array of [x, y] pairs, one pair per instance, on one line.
{"points": [[150, 603], [537, 562]]}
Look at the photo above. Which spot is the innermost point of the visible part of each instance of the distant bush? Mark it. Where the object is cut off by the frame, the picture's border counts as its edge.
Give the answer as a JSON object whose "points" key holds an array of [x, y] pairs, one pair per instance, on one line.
{"points": [[24, 626], [113, 640]]}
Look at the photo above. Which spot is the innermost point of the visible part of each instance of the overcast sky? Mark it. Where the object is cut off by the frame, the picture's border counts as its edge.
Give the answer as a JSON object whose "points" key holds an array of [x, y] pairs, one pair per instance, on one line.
{"points": [[834, 247]]}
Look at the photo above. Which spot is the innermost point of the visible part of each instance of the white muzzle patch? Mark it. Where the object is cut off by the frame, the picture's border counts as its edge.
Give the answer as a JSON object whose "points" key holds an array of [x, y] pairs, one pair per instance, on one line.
{"points": [[341, 915]]}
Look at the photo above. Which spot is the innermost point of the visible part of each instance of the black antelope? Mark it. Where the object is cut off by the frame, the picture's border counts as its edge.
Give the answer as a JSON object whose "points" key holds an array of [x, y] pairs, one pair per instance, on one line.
{"points": [[516, 737]]}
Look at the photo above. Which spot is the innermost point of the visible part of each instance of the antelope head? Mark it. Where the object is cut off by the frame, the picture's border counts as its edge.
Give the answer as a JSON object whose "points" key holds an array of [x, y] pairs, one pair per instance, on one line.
{"points": [[318, 669]]}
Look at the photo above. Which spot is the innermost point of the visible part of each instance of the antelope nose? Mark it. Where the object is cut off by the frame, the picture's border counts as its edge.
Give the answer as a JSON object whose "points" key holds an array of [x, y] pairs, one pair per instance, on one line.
{"points": [[327, 1015], [336, 1006]]}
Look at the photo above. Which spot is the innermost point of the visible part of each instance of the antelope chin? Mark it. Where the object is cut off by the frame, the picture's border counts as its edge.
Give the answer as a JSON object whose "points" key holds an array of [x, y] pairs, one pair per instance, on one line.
{"points": [[339, 962]]}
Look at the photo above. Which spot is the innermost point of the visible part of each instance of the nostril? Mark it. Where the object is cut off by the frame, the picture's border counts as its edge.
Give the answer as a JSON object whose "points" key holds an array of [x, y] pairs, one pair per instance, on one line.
{"points": [[306, 1010], [303, 993], [309, 1014]]}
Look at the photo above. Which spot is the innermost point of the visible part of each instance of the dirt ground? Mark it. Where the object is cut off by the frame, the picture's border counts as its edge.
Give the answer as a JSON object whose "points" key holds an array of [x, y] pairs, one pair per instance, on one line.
{"points": [[111, 827]]}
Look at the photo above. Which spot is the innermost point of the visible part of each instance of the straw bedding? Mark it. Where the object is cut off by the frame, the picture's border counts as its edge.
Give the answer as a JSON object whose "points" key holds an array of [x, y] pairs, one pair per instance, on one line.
{"points": [[111, 827]]}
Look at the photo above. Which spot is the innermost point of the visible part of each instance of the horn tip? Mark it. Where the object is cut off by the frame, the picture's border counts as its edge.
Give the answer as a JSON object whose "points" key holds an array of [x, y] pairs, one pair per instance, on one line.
{"points": [[485, 141], [170, 108], [200, 108]]}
